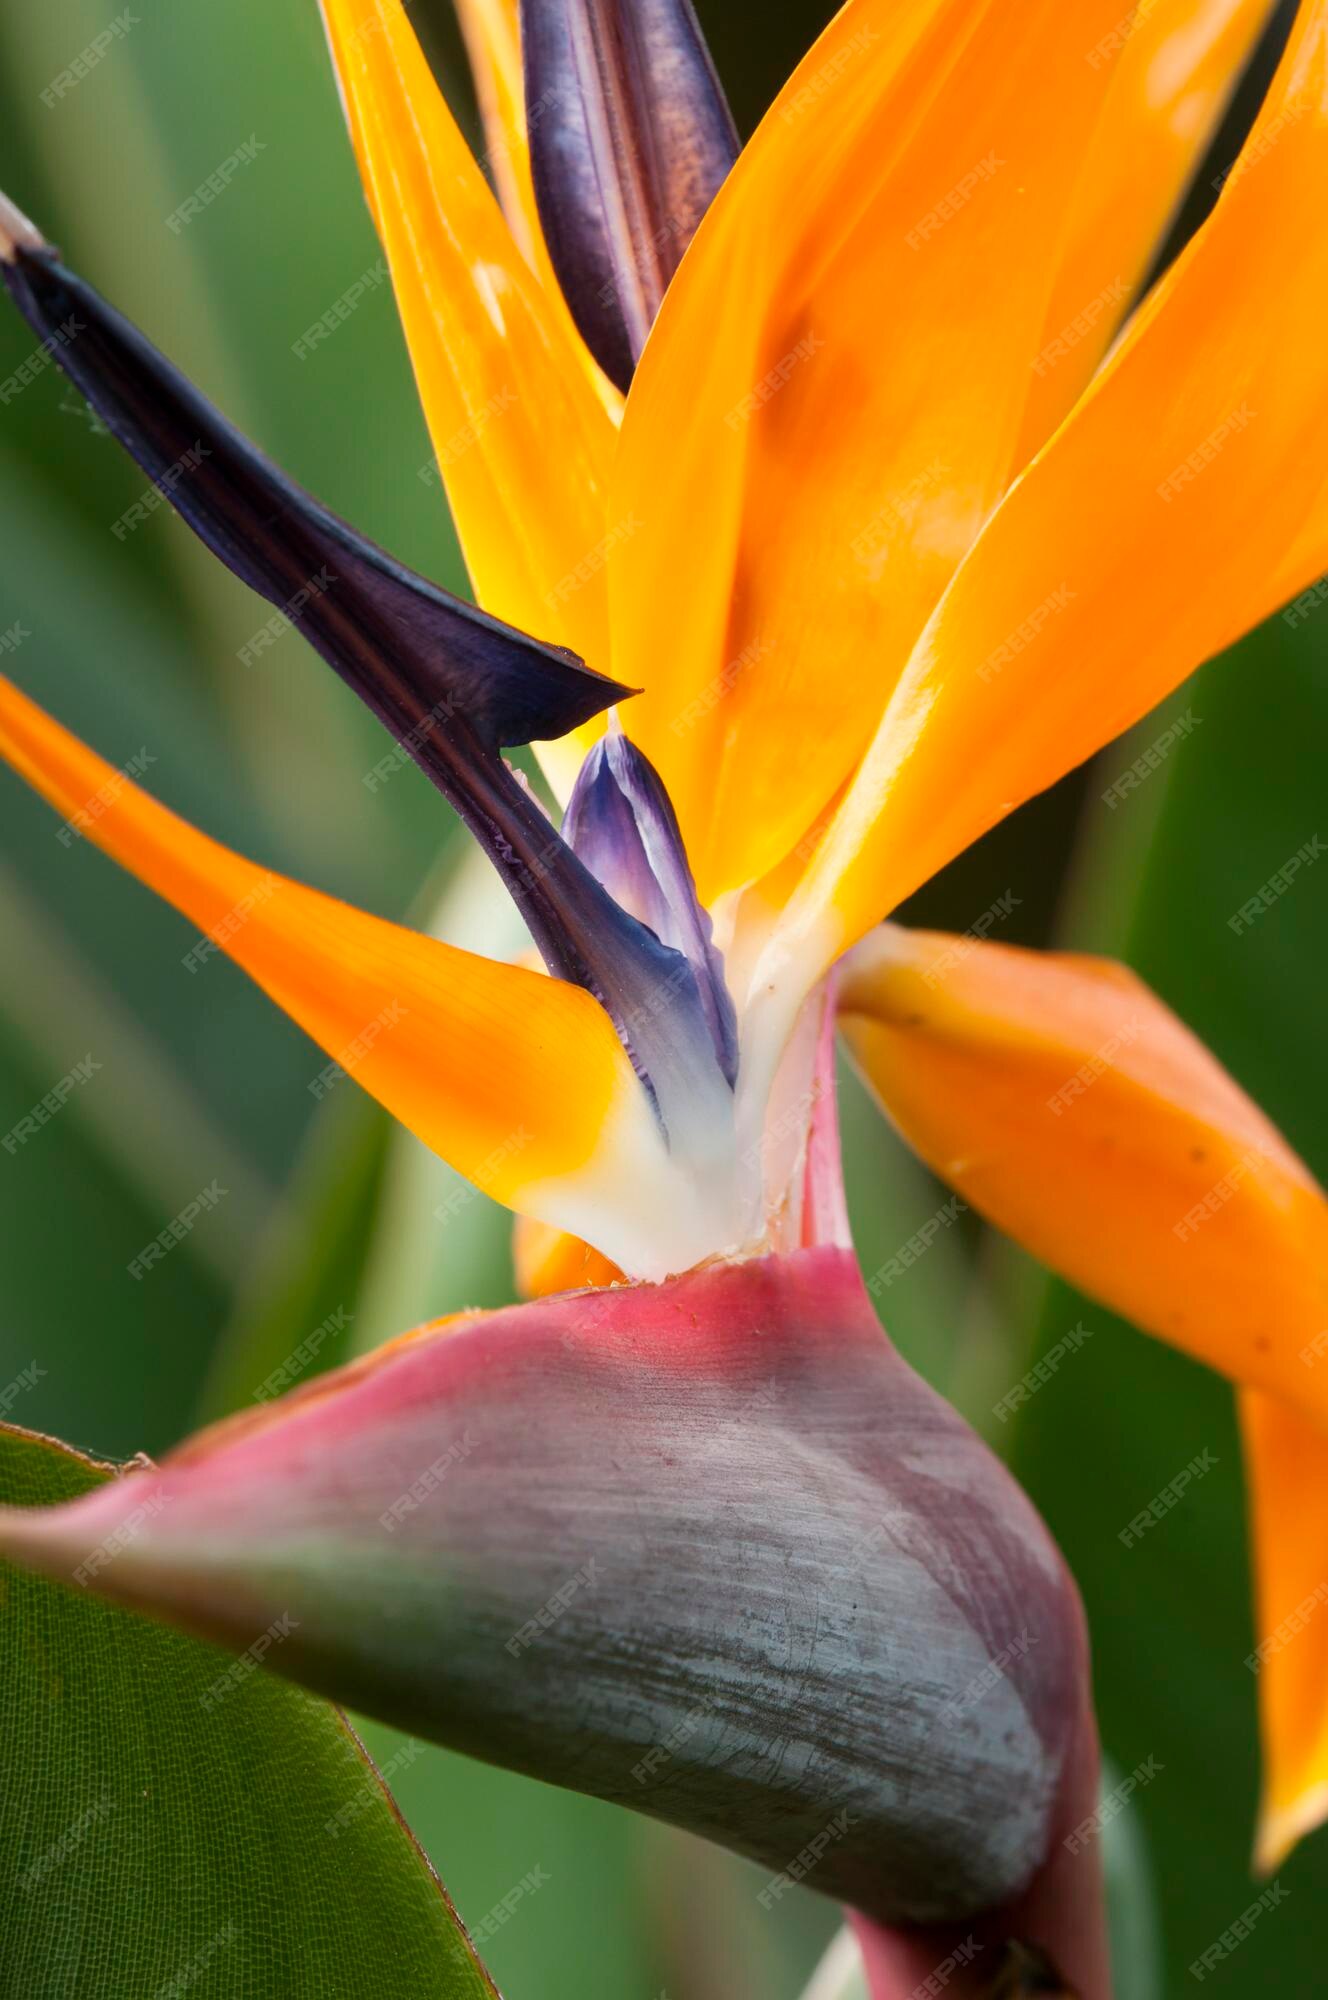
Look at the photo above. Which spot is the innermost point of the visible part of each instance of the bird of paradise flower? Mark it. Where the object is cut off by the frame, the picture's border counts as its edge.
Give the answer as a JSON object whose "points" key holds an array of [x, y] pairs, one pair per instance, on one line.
{"points": [[848, 521]]}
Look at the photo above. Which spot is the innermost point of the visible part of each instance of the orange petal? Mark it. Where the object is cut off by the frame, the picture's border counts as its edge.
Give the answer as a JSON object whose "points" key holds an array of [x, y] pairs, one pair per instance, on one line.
{"points": [[1075, 1111], [826, 410], [1067, 1104], [523, 435], [492, 30], [549, 1261], [518, 1080], [1152, 530], [1173, 68], [1286, 1468]]}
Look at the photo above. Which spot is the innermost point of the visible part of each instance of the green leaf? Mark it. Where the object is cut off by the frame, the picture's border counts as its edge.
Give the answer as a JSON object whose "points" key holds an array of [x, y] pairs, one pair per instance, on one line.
{"points": [[174, 1821]]}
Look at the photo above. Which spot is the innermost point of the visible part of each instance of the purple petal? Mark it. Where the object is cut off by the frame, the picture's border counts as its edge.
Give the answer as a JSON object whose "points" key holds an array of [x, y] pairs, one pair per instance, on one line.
{"points": [[415, 654], [449, 682], [620, 821], [630, 139]]}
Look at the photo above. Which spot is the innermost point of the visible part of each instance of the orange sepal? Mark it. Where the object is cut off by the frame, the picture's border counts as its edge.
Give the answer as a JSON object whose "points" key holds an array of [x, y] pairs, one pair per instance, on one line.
{"points": [[518, 1080], [1286, 1469], [1071, 1107]]}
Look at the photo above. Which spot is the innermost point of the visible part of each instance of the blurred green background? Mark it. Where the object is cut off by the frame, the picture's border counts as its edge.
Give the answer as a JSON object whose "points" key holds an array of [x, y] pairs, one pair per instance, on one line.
{"points": [[135, 643]]}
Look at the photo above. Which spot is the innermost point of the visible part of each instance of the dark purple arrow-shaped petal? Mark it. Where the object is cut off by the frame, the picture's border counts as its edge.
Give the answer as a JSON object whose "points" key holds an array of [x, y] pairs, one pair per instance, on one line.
{"points": [[452, 684]]}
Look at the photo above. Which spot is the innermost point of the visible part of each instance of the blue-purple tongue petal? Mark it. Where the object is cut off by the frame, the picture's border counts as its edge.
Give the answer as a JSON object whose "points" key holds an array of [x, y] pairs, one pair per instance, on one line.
{"points": [[630, 139], [621, 822], [407, 648], [451, 684]]}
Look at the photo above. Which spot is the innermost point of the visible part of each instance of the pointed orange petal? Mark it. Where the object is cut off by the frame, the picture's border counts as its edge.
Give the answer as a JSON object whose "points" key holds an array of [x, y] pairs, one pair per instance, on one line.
{"points": [[548, 1261], [1152, 530], [1066, 1103], [1173, 67], [523, 436], [492, 30], [518, 1080], [826, 409], [1286, 1468]]}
